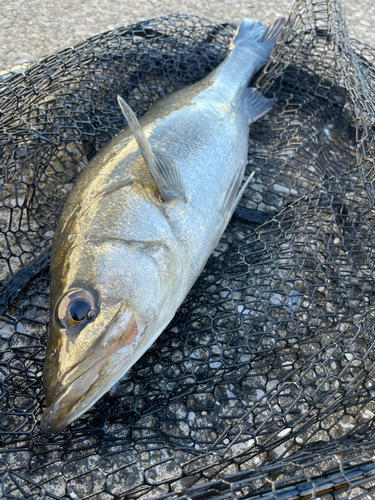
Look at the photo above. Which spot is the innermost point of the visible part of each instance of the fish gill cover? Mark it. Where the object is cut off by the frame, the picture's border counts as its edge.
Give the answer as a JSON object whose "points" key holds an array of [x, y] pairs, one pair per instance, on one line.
{"points": [[263, 386]]}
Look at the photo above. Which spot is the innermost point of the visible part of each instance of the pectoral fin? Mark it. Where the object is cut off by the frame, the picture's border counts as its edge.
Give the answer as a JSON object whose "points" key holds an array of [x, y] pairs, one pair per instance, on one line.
{"points": [[165, 174]]}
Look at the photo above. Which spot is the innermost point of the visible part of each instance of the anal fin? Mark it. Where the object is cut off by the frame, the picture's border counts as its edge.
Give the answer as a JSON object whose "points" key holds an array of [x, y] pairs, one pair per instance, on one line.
{"points": [[257, 104], [165, 173]]}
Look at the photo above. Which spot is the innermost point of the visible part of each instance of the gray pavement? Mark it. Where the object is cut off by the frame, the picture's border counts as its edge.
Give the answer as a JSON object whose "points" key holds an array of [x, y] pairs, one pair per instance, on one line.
{"points": [[30, 29]]}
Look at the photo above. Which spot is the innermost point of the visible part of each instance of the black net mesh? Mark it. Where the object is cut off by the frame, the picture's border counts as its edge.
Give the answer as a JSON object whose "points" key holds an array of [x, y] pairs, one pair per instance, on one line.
{"points": [[264, 385]]}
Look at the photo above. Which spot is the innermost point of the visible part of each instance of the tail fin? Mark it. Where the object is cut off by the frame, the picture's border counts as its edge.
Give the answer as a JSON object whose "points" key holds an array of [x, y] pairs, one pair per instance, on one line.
{"points": [[253, 34]]}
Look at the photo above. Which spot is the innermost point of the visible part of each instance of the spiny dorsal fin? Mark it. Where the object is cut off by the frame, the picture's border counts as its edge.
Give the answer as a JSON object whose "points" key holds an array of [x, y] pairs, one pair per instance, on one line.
{"points": [[165, 174]]}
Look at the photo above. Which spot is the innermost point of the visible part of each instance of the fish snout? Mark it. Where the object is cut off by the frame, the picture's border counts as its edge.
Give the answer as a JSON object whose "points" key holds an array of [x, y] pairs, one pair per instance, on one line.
{"points": [[93, 375]]}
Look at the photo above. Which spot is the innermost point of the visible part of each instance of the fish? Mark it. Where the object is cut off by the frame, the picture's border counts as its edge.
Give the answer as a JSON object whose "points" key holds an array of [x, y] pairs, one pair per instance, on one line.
{"points": [[140, 223]]}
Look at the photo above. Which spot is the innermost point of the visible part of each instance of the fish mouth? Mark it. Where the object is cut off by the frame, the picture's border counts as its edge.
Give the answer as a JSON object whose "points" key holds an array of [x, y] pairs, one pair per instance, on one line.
{"points": [[96, 372]]}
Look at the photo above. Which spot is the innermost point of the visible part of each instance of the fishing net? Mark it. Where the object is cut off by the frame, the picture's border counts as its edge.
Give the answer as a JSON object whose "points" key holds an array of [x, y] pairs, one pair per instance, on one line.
{"points": [[263, 386]]}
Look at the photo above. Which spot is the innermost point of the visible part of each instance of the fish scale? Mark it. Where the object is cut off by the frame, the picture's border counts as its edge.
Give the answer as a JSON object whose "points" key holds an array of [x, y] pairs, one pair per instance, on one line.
{"points": [[140, 224]]}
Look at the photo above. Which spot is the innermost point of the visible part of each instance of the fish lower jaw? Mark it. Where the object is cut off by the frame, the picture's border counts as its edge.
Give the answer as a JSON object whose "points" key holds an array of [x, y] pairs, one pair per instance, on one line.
{"points": [[82, 392], [64, 411]]}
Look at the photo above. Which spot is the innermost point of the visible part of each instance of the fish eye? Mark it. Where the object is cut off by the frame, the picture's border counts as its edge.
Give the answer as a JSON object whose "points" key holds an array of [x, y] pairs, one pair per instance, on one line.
{"points": [[79, 310], [76, 307]]}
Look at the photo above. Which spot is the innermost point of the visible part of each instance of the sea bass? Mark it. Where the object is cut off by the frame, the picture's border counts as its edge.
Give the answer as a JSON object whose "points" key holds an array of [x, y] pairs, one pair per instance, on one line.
{"points": [[141, 222]]}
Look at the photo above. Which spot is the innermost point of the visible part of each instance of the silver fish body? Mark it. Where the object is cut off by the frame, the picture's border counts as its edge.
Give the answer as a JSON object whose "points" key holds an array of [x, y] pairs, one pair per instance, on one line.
{"points": [[130, 242]]}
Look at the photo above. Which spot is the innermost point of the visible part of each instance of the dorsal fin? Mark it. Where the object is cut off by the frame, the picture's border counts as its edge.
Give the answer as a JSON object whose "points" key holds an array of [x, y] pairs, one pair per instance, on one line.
{"points": [[165, 174]]}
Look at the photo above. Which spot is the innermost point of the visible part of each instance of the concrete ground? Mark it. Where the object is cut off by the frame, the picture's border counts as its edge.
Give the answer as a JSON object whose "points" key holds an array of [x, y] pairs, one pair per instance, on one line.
{"points": [[30, 29]]}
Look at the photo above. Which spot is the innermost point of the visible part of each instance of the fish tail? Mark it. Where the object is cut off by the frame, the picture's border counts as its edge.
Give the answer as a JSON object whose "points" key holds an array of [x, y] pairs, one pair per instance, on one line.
{"points": [[257, 38]]}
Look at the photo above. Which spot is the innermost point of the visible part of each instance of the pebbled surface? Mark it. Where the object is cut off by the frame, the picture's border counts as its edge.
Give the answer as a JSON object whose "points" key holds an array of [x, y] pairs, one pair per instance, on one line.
{"points": [[31, 29]]}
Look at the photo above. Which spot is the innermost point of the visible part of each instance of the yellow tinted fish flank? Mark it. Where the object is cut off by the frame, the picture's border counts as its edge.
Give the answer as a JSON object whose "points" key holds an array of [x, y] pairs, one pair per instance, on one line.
{"points": [[140, 224]]}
